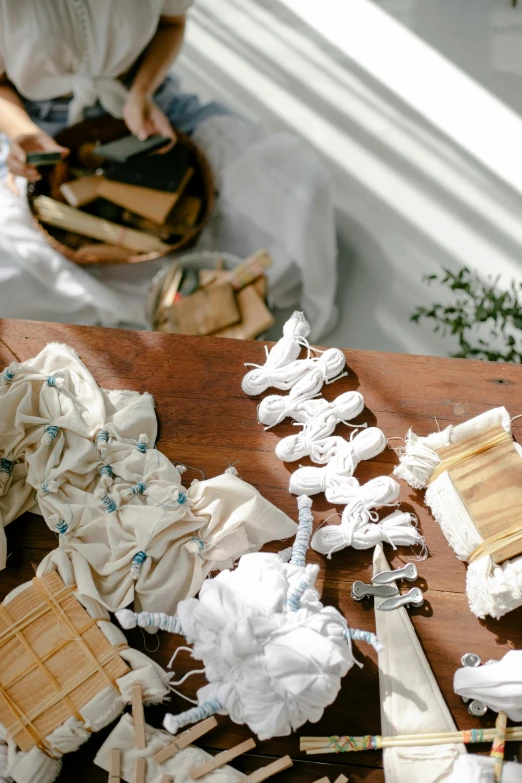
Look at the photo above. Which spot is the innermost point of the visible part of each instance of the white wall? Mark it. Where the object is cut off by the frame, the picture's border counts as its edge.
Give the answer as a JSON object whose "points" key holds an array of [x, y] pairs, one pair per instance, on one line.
{"points": [[415, 106]]}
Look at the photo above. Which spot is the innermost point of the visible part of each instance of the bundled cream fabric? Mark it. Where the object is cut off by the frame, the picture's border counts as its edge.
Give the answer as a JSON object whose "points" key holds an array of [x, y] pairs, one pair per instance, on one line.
{"points": [[35, 766], [179, 766], [498, 685], [491, 589], [65, 441]]}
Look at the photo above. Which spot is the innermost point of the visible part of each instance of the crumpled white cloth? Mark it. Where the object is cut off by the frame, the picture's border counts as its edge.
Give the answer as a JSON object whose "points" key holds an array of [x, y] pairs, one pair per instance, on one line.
{"points": [[470, 768], [491, 589], [270, 667], [178, 766], [498, 685], [35, 766], [182, 534]]}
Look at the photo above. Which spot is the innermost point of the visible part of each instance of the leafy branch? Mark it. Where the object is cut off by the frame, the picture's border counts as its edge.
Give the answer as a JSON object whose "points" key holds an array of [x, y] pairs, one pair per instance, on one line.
{"points": [[485, 320]]}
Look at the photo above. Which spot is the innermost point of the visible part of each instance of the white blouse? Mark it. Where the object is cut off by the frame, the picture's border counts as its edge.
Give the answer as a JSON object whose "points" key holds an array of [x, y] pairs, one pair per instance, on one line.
{"points": [[50, 48]]}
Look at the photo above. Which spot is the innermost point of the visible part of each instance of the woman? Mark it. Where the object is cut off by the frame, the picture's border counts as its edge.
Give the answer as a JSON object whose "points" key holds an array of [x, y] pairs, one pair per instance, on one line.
{"points": [[63, 60]]}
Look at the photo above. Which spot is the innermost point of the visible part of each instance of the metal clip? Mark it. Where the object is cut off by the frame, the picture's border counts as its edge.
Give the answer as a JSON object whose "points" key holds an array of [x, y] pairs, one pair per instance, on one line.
{"points": [[409, 572], [413, 597], [476, 708], [361, 590]]}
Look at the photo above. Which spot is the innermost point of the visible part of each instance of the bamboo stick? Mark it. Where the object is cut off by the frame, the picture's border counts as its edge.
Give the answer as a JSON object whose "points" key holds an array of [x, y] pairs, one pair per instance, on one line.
{"points": [[412, 740], [499, 746]]}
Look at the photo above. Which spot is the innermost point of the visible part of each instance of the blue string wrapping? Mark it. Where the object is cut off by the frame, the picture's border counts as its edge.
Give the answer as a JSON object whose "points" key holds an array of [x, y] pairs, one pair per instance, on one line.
{"points": [[165, 622], [304, 532], [8, 374], [102, 439], [62, 527], [51, 380], [109, 503], [295, 594], [139, 488], [106, 470], [51, 431], [182, 498], [197, 714], [363, 636], [137, 561], [6, 466]]}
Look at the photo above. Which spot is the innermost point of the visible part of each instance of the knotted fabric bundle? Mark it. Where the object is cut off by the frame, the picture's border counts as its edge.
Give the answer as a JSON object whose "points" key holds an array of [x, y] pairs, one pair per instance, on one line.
{"points": [[470, 768], [274, 656], [129, 527], [360, 527], [342, 456], [307, 375], [492, 589], [274, 408], [498, 685], [283, 353], [344, 408]]}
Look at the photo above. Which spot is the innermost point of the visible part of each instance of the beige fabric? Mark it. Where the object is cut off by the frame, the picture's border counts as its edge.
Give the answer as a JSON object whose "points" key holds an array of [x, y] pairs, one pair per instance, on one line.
{"points": [[179, 766], [225, 515], [411, 701]]}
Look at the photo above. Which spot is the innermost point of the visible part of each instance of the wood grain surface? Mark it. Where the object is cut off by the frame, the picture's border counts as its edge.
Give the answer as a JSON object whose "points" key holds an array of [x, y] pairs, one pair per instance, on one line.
{"points": [[207, 422]]}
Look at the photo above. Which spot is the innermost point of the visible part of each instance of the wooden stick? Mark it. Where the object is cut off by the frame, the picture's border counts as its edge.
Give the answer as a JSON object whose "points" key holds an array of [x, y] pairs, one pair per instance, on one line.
{"points": [[323, 780], [139, 718], [167, 778], [81, 191], [222, 758], [342, 779], [115, 768], [62, 216], [141, 770], [182, 740], [409, 740], [271, 769], [499, 746]]}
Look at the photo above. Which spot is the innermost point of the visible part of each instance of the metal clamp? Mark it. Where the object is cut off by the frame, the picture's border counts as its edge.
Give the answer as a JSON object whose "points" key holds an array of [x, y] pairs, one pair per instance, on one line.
{"points": [[409, 572], [413, 597], [476, 708], [361, 590]]}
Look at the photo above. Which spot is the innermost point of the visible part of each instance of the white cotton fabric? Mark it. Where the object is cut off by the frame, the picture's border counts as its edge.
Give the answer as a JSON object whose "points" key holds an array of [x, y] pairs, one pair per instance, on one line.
{"points": [[498, 685], [411, 701], [274, 408], [305, 376], [83, 47], [491, 589], [179, 766], [35, 766], [344, 408], [470, 768], [270, 667], [224, 516]]}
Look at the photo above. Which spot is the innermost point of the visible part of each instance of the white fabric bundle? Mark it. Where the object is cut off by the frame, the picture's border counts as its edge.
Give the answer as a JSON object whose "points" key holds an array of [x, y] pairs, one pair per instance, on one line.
{"points": [[35, 766], [491, 589], [147, 538], [308, 375], [498, 685], [470, 768], [342, 456], [178, 766], [283, 353], [359, 525], [344, 408], [274, 408]]}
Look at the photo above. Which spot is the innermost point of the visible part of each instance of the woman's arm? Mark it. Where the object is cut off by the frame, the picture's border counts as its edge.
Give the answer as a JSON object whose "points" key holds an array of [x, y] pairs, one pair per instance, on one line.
{"points": [[25, 135], [141, 114]]}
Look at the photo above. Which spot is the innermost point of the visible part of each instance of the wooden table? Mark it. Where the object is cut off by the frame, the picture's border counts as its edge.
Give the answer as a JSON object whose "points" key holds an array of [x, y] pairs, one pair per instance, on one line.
{"points": [[206, 421]]}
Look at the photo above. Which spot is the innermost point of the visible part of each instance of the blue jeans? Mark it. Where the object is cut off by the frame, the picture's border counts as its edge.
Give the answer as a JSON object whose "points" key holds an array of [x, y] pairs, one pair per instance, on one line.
{"points": [[185, 111]]}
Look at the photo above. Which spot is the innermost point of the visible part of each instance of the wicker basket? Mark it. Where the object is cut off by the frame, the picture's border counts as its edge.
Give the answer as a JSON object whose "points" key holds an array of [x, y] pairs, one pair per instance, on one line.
{"points": [[105, 129]]}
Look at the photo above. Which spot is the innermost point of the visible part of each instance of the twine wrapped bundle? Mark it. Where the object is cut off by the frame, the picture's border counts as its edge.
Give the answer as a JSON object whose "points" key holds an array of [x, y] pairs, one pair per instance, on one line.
{"points": [[305, 376]]}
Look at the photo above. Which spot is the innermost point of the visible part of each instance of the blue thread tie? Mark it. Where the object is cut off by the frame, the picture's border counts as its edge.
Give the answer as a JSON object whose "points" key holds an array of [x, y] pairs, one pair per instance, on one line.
{"points": [[363, 636], [141, 445], [304, 531], [102, 439], [200, 543], [48, 487], [8, 374], [6, 469], [293, 599], [165, 622], [61, 527], [139, 488], [54, 381], [137, 561], [195, 715], [182, 498], [51, 433], [106, 471], [109, 503]]}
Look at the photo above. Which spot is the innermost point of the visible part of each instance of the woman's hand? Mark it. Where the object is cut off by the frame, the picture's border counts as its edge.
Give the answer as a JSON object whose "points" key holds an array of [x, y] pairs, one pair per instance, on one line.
{"points": [[30, 142], [144, 118]]}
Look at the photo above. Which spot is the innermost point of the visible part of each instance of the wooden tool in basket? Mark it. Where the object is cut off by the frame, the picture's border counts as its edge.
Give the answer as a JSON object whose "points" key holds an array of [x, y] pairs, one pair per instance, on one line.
{"points": [[189, 212]]}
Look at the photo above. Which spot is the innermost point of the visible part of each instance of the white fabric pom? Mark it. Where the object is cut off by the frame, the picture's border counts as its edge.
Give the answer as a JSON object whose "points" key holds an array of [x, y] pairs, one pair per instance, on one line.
{"points": [[126, 618], [346, 407], [471, 768], [498, 685], [143, 438], [417, 461], [274, 408], [359, 527], [171, 724], [307, 374]]}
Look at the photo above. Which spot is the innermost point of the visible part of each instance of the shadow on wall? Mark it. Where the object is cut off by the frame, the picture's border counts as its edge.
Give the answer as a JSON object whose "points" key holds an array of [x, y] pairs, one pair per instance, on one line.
{"points": [[424, 160]]}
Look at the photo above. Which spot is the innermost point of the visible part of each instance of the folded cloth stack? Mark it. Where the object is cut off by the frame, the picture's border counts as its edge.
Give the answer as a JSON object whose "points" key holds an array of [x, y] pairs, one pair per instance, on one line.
{"points": [[84, 458], [492, 589]]}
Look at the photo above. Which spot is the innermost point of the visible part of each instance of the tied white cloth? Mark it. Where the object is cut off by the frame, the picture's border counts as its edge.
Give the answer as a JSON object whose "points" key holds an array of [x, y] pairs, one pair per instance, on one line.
{"points": [[335, 478], [470, 768], [61, 434], [344, 408], [498, 685], [274, 408], [491, 589], [306, 375], [178, 766], [360, 527], [269, 666], [411, 701], [35, 766]]}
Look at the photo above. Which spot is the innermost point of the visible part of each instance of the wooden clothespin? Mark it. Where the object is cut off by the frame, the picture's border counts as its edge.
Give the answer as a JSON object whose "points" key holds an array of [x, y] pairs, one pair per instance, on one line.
{"points": [[342, 779], [323, 780], [222, 758], [115, 768], [271, 769], [182, 740], [167, 779], [139, 718], [140, 770]]}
